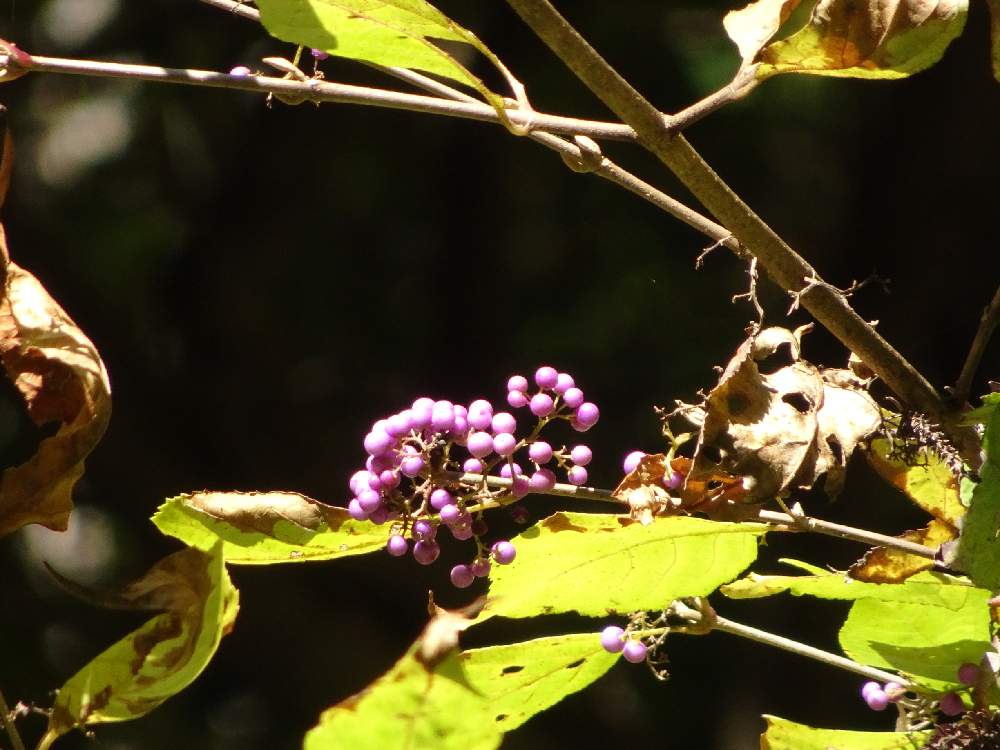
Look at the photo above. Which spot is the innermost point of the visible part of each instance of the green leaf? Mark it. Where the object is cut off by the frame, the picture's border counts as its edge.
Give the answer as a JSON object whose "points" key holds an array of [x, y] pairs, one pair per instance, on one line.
{"points": [[928, 588], [395, 33], [926, 642], [994, 6], [162, 657], [978, 552], [262, 528], [930, 484], [597, 564], [847, 38], [466, 701], [782, 734]]}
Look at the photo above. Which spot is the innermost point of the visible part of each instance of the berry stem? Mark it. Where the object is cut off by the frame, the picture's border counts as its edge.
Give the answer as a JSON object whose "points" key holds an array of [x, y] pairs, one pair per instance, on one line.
{"points": [[8, 725]]}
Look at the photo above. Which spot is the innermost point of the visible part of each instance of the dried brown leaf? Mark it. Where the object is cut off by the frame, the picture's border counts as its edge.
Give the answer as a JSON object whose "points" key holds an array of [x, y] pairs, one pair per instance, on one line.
{"points": [[62, 380], [848, 416], [890, 565], [440, 635]]}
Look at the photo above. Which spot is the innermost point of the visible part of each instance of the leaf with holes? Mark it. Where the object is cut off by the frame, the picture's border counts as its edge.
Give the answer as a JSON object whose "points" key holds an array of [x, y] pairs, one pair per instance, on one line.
{"points": [[263, 528], [782, 734], [394, 33], [165, 655], [596, 564]]}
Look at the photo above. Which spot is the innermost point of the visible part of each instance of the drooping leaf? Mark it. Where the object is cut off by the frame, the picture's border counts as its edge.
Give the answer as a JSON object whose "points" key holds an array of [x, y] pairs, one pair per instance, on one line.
{"points": [[162, 657], [871, 39], [395, 33], [755, 25], [994, 6], [783, 734], [262, 528], [63, 383], [929, 483], [978, 550], [596, 564], [892, 565]]}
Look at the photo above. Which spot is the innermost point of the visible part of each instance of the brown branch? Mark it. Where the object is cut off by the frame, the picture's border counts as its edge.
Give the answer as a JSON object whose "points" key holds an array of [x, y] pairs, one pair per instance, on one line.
{"points": [[987, 324], [8, 725]]}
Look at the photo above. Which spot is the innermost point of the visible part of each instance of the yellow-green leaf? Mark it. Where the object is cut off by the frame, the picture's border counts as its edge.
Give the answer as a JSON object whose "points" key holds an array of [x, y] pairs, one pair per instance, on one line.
{"points": [[262, 528], [162, 657], [930, 484], [597, 564], [782, 734], [994, 6]]}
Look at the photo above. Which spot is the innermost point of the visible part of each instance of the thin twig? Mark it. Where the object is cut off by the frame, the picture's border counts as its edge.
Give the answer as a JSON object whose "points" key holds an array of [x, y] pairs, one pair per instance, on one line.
{"points": [[782, 263], [987, 324], [8, 725]]}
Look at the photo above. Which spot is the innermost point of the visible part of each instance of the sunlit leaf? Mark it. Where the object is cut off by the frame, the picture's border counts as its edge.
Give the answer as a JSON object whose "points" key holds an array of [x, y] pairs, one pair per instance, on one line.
{"points": [[262, 528], [596, 564], [930, 484], [63, 383], [755, 25], [396, 33], [978, 552], [165, 655], [782, 734], [892, 565]]}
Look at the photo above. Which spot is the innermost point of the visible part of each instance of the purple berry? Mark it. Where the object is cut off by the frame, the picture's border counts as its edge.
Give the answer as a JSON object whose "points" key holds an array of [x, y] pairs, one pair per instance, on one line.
{"points": [[480, 444], [868, 687], [378, 442], [576, 475], [319, 54], [421, 412], [356, 511], [518, 513], [240, 71], [424, 531], [462, 576], [542, 480], [461, 532], [481, 405], [359, 481], [443, 416], [389, 479], [951, 704], [473, 466], [968, 674], [452, 515], [634, 652], [631, 461], [480, 567], [399, 425], [573, 397], [546, 377], [379, 516], [581, 455], [397, 546], [375, 481], [541, 405], [517, 399], [426, 552], [369, 500], [511, 470], [461, 411], [563, 383], [540, 452], [673, 480], [504, 444], [440, 498], [503, 422], [411, 466], [587, 415], [877, 699], [503, 553], [517, 383], [378, 464], [612, 639], [520, 487]]}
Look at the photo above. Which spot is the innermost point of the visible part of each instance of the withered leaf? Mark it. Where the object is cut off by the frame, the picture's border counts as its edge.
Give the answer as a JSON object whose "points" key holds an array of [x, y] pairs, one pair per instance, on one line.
{"points": [[440, 635], [929, 482], [166, 654], [890, 565], [643, 491], [62, 380], [848, 416]]}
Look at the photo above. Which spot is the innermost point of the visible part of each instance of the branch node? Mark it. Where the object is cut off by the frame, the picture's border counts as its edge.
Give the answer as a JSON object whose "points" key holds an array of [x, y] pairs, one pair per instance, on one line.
{"points": [[590, 158]]}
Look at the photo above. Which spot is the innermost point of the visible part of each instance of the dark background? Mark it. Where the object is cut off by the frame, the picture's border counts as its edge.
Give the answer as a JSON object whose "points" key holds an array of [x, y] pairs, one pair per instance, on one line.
{"points": [[265, 283]]}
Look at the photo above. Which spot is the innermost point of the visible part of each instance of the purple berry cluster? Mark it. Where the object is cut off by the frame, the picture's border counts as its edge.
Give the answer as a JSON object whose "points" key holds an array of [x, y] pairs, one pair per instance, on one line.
{"points": [[614, 640], [877, 696], [413, 476]]}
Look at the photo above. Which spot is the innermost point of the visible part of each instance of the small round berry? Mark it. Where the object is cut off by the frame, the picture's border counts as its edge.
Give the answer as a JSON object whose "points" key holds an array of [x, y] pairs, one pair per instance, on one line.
{"points": [[541, 405], [426, 552], [511, 470], [518, 513], [411, 466], [473, 466], [379, 516], [563, 383], [581, 455], [480, 444], [968, 674], [375, 481], [399, 425], [480, 414], [378, 443], [240, 71], [424, 531], [460, 429], [397, 546], [634, 652], [631, 461], [868, 687], [540, 452], [673, 480], [546, 377], [461, 532], [452, 515], [356, 511], [587, 414], [440, 498], [443, 416], [421, 412], [462, 576], [542, 480], [877, 699], [504, 444], [503, 422], [517, 399], [480, 567], [895, 691], [517, 383], [503, 553], [319, 54], [389, 479], [612, 639], [369, 500], [520, 487], [951, 704], [378, 464], [576, 475], [573, 398], [359, 481]]}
